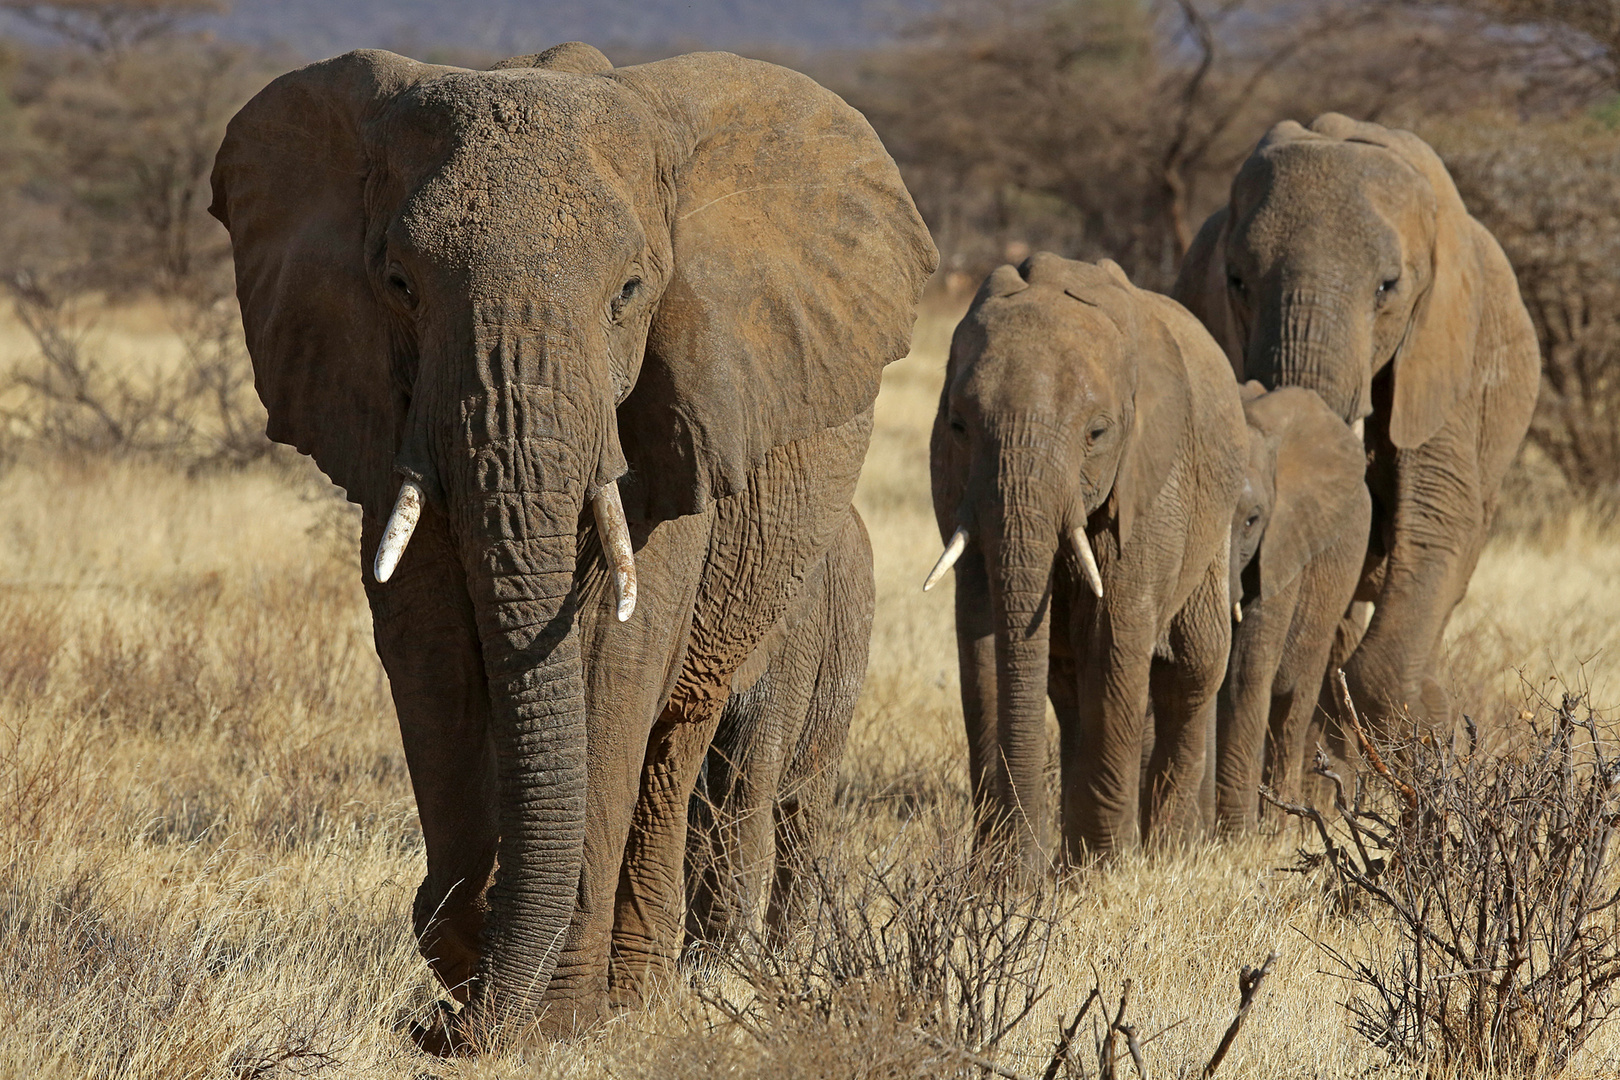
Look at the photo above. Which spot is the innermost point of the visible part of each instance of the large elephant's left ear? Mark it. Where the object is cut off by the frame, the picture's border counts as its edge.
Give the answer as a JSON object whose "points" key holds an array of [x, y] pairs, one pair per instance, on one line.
{"points": [[1434, 365], [798, 262]]}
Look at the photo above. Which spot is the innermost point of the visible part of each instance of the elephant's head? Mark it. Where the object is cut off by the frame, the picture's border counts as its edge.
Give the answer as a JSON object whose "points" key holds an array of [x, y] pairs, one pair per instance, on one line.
{"points": [[516, 293], [1065, 404], [1304, 490], [1344, 248]]}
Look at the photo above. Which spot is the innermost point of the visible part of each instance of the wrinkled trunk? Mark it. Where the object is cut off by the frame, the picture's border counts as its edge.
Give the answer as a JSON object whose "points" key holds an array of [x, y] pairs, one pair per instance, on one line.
{"points": [[1302, 338], [516, 481], [1020, 548]]}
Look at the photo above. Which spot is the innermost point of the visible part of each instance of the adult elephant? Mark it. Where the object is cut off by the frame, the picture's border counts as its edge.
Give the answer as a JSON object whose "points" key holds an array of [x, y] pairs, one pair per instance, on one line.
{"points": [[607, 342], [1299, 539], [1345, 262], [1086, 455]]}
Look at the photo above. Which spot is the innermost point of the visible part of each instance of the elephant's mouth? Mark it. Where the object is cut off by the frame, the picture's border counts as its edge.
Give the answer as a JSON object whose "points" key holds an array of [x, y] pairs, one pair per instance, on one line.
{"points": [[606, 508], [1077, 540]]}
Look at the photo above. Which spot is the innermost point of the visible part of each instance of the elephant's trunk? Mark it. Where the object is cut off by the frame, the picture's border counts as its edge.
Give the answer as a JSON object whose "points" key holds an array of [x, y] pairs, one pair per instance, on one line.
{"points": [[1303, 338], [517, 472], [1020, 545]]}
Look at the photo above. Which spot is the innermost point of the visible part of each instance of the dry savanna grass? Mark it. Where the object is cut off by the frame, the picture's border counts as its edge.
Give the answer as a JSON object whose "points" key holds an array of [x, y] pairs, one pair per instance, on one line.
{"points": [[208, 844]]}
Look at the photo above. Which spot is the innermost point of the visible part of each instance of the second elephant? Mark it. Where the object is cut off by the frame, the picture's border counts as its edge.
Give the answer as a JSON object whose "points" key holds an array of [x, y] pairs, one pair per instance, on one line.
{"points": [[1299, 535], [1086, 456]]}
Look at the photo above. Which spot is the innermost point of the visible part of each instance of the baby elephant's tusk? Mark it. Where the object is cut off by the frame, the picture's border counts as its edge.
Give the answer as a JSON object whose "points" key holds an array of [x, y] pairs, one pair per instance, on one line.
{"points": [[953, 551], [397, 533], [614, 533], [1237, 611], [1082, 548]]}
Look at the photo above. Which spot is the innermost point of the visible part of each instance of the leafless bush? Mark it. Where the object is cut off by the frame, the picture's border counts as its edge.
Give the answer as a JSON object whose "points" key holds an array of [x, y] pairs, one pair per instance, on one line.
{"points": [[1496, 875], [935, 962], [71, 399]]}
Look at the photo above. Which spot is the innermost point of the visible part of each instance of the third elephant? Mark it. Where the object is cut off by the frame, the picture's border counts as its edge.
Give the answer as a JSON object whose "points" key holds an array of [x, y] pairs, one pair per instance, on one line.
{"points": [[1346, 263], [1086, 456], [1299, 535]]}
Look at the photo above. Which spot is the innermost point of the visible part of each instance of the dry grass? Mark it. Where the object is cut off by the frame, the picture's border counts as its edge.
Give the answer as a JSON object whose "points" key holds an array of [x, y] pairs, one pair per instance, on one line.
{"points": [[208, 844]]}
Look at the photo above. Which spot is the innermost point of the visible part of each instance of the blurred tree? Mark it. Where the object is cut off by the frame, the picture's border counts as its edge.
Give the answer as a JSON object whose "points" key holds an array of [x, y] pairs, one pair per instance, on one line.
{"points": [[1112, 127], [110, 26]]}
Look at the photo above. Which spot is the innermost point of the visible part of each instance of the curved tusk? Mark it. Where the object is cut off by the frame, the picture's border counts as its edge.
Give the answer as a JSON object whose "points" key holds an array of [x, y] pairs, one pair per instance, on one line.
{"points": [[1237, 611], [953, 551], [614, 533], [1082, 548], [397, 533], [1359, 427]]}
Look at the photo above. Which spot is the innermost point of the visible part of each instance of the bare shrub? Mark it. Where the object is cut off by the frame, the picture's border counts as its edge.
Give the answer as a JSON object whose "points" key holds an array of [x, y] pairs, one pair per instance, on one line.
{"points": [[1496, 875], [923, 959], [71, 399]]}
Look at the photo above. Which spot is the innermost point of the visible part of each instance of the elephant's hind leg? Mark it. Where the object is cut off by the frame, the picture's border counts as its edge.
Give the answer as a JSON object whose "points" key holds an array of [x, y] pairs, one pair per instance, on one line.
{"points": [[806, 792], [428, 642]]}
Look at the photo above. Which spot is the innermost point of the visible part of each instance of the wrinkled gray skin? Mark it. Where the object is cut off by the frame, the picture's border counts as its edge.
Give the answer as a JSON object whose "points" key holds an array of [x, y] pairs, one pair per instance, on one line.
{"points": [[1299, 537], [770, 773], [516, 288], [1345, 262], [1074, 399]]}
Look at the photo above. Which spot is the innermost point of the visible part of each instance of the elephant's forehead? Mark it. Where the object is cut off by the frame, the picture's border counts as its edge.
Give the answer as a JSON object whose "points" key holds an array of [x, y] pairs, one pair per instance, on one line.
{"points": [[1035, 349], [1046, 319], [1326, 185], [540, 163]]}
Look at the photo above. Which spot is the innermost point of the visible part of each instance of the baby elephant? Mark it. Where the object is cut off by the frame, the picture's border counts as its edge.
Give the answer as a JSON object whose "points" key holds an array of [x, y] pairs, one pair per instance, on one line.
{"points": [[1086, 455], [1299, 536]]}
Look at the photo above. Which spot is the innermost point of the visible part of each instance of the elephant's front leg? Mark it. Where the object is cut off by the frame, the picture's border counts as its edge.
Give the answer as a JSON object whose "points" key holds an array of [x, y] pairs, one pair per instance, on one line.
{"points": [[1102, 752], [1243, 709], [423, 623], [1439, 528], [629, 670], [1184, 691]]}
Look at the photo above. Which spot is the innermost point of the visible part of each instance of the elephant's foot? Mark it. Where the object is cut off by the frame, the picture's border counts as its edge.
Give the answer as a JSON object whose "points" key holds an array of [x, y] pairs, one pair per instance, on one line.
{"points": [[448, 937], [440, 1033]]}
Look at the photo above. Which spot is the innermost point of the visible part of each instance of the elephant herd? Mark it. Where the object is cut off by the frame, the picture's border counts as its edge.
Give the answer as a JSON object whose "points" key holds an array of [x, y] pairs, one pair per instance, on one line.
{"points": [[595, 351]]}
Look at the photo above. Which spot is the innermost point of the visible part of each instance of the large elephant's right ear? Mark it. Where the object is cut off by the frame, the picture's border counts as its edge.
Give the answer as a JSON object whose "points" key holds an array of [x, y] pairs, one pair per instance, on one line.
{"points": [[798, 262], [1201, 288], [290, 183]]}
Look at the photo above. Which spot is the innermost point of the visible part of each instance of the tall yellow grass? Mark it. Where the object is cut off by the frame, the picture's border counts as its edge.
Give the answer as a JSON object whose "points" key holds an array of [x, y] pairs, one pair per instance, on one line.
{"points": [[208, 844]]}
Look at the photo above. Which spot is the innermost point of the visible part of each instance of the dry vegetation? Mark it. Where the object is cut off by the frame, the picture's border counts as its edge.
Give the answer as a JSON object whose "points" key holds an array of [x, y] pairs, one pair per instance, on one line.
{"points": [[208, 844]]}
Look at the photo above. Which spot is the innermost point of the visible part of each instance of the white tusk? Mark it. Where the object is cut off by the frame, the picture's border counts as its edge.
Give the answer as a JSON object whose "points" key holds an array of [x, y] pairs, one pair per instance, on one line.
{"points": [[614, 533], [1082, 548], [1237, 611], [397, 533], [953, 551], [1359, 427]]}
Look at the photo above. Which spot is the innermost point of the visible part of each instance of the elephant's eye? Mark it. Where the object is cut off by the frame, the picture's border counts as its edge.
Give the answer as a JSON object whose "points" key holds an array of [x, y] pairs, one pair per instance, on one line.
{"points": [[1254, 519], [958, 426], [401, 286], [1096, 431], [625, 295], [1386, 287], [1235, 283]]}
